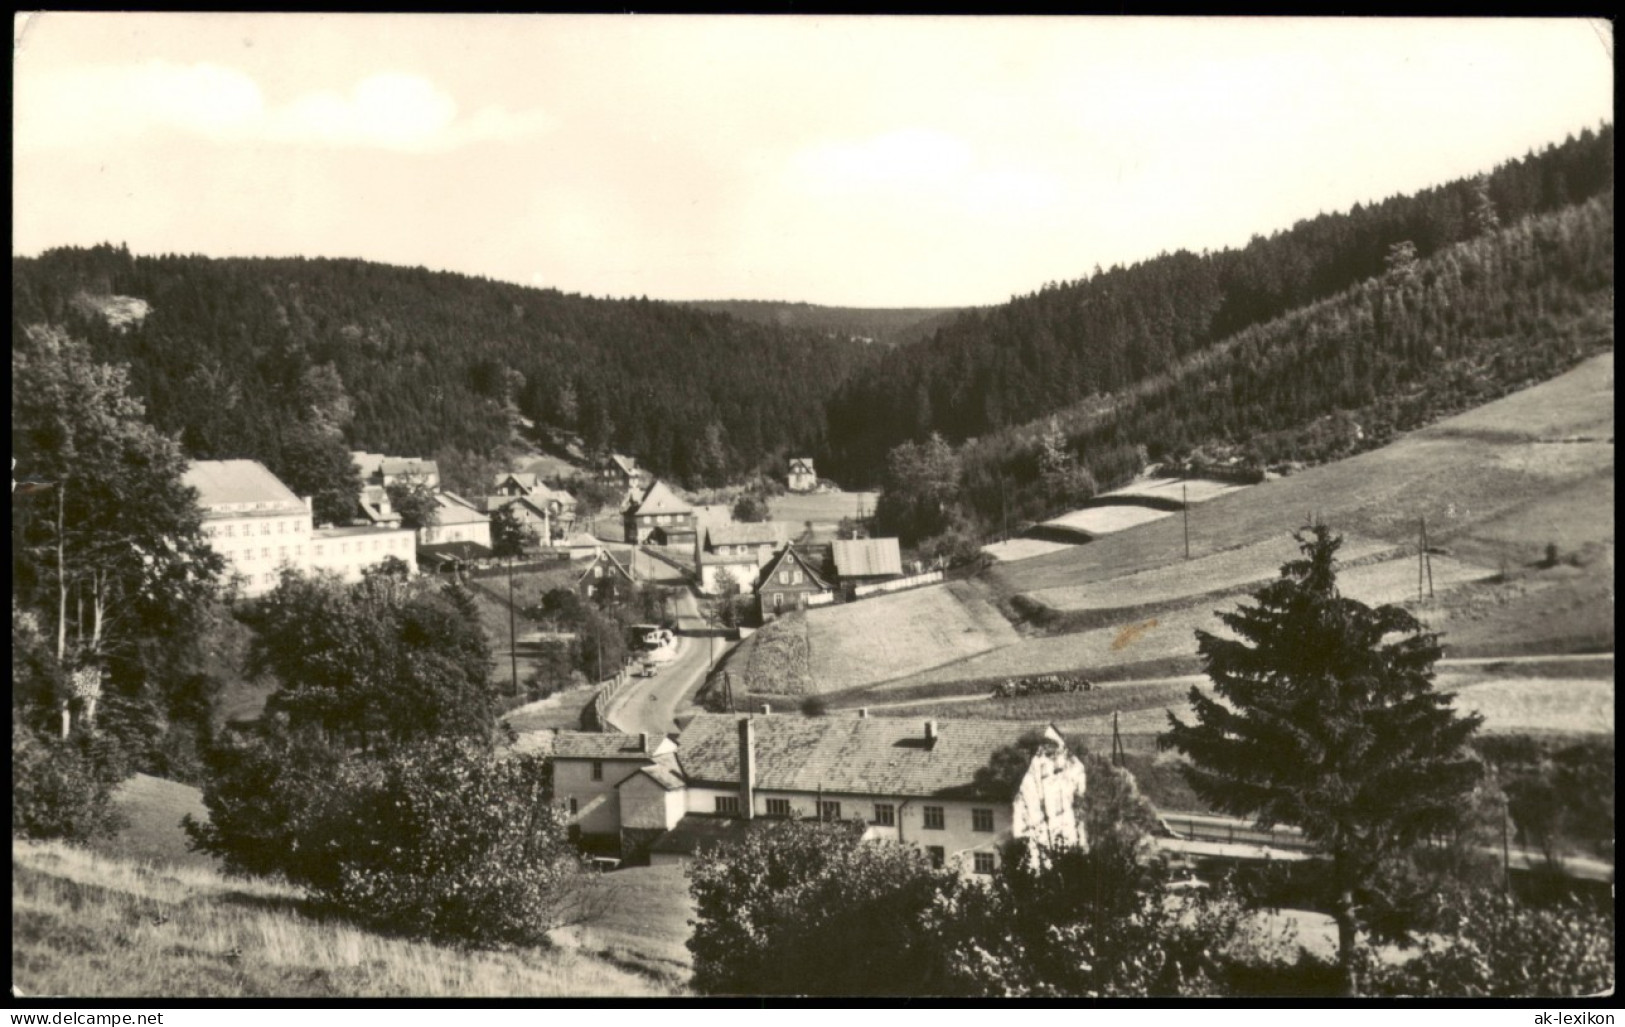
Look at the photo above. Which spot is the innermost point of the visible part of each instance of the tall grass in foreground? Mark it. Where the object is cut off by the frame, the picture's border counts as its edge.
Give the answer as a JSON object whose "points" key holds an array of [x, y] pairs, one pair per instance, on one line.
{"points": [[85, 925]]}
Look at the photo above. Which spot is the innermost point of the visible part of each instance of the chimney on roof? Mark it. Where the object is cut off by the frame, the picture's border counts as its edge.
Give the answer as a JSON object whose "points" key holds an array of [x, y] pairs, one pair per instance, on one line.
{"points": [[767, 708], [310, 505], [930, 731], [863, 712], [643, 741], [747, 767]]}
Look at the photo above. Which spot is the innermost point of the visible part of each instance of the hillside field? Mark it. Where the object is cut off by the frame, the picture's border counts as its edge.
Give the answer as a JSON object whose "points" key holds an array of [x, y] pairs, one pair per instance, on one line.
{"points": [[861, 643], [87, 925], [1473, 476], [1511, 700], [1497, 485]]}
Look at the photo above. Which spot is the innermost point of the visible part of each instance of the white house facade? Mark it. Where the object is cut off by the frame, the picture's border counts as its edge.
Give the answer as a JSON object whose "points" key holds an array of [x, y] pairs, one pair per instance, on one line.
{"points": [[257, 523]]}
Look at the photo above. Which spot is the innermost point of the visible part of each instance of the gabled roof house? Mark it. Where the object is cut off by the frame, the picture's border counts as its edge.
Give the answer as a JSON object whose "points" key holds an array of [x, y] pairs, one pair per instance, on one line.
{"points": [[659, 518], [926, 783]]}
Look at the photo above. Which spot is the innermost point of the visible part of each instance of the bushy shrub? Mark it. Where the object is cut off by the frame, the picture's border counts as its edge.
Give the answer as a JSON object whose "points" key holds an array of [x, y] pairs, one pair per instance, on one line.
{"points": [[810, 908], [58, 790], [442, 839], [447, 842], [262, 789], [1497, 947]]}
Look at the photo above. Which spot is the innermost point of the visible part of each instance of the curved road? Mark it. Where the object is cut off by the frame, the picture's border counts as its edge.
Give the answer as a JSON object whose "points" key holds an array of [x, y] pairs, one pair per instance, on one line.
{"points": [[651, 704]]}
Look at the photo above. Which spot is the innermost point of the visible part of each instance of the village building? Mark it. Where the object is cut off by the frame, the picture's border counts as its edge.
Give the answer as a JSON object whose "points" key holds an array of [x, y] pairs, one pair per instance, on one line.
{"points": [[622, 472], [785, 583], [926, 784], [581, 546], [515, 483], [531, 514], [802, 477], [865, 561], [589, 772], [376, 509], [259, 526], [560, 505], [658, 518], [459, 534], [455, 520], [742, 550], [605, 578], [378, 469]]}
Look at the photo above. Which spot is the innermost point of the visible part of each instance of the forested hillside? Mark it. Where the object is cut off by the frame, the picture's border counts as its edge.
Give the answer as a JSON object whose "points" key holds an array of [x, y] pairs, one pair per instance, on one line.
{"points": [[1006, 365], [1422, 340], [888, 326], [236, 354]]}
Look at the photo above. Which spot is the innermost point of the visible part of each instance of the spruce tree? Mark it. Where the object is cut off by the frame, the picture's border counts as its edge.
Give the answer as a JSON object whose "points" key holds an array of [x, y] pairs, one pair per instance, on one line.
{"points": [[1327, 719]]}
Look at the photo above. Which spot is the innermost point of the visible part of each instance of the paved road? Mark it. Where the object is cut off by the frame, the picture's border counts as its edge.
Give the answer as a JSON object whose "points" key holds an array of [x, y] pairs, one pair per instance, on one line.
{"points": [[651, 704]]}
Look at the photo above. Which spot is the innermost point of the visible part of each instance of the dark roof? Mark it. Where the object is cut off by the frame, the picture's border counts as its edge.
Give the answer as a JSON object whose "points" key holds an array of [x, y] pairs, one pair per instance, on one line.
{"points": [[526, 480], [866, 557], [659, 499], [697, 831], [604, 556], [587, 745], [492, 504], [848, 755], [454, 551], [758, 533], [801, 463], [772, 566]]}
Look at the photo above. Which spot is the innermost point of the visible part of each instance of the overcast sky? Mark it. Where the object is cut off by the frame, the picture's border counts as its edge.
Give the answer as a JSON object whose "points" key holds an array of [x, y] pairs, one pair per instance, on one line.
{"points": [[856, 161]]}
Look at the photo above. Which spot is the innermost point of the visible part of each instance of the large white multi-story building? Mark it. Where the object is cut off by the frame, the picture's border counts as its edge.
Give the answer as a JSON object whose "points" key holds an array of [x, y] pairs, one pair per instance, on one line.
{"points": [[260, 527]]}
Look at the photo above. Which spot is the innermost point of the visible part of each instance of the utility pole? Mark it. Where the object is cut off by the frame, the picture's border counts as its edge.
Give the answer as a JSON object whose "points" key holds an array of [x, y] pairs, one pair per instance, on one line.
{"points": [[1421, 558], [513, 651], [1506, 848], [1185, 505], [1427, 556]]}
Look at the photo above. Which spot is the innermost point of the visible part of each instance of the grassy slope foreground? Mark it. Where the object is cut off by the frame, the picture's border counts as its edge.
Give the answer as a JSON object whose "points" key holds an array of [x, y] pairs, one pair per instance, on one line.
{"points": [[90, 925]]}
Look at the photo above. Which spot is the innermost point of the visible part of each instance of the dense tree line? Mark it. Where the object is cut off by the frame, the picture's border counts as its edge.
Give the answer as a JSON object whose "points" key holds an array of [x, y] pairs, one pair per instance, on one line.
{"points": [[884, 326], [1008, 365], [113, 591], [271, 358]]}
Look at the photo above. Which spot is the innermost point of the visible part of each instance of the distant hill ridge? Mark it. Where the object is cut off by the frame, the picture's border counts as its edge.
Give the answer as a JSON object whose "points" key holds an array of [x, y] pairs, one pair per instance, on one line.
{"points": [[995, 367], [1482, 318], [886, 326], [433, 362]]}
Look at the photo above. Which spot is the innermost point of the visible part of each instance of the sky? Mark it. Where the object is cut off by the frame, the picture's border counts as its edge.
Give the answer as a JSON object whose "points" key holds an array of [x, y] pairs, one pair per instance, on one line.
{"points": [[856, 161]]}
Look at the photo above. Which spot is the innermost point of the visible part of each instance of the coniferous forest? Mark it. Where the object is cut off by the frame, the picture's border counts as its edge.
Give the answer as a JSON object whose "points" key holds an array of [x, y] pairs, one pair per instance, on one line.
{"points": [[1303, 346], [236, 353], [1069, 342]]}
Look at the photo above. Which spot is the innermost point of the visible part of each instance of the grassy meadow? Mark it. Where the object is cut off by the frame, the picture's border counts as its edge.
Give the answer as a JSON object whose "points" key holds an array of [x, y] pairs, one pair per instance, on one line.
{"points": [[889, 636], [89, 925]]}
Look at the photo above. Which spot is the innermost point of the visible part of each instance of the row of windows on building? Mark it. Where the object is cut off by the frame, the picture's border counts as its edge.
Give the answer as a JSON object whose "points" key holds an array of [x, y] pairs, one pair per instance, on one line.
{"points": [[247, 553], [667, 518], [981, 862], [229, 530], [885, 813]]}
